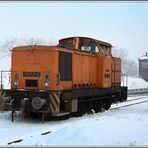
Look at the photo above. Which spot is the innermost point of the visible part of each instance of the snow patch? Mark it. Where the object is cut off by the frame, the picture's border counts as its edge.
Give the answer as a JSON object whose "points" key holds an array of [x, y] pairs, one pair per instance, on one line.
{"points": [[136, 82], [123, 127]]}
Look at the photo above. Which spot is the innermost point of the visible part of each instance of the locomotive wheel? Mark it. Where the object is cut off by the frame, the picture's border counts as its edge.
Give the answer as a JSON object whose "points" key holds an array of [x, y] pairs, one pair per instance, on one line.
{"points": [[107, 105], [97, 106], [89, 107], [124, 97], [81, 108]]}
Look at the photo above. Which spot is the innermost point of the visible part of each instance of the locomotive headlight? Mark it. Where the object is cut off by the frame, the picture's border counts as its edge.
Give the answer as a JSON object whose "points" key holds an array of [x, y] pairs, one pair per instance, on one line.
{"points": [[16, 80], [46, 82]]}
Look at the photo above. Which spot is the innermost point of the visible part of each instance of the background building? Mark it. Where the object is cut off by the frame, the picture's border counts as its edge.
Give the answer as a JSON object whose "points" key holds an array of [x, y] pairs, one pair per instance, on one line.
{"points": [[143, 67]]}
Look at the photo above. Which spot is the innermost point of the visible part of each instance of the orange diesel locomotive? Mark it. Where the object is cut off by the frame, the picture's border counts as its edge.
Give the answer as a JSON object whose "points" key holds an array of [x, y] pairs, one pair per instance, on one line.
{"points": [[74, 77]]}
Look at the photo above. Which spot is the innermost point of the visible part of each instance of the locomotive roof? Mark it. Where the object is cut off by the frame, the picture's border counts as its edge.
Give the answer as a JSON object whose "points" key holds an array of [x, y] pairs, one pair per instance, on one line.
{"points": [[64, 39], [32, 46], [80, 37]]}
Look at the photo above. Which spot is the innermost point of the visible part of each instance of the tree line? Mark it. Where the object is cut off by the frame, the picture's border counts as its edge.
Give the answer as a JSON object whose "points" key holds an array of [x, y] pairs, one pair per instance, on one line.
{"points": [[129, 66]]}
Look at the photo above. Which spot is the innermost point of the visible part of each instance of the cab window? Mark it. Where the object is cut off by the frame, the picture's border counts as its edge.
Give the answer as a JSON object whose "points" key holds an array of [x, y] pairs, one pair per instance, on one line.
{"points": [[68, 45], [105, 50], [89, 46]]}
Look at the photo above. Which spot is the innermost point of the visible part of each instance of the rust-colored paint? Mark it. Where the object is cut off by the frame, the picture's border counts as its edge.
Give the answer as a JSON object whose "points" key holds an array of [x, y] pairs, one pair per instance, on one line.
{"points": [[41, 59], [116, 71], [88, 69], [84, 70]]}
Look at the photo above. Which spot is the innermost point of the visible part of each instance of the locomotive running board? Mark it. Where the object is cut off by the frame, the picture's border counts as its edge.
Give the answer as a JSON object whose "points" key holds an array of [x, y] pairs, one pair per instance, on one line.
{"points": [[62, 114]]}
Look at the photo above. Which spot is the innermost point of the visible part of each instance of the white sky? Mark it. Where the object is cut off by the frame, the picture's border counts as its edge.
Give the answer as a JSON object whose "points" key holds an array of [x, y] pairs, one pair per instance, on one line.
{"points": [[123, 24]]}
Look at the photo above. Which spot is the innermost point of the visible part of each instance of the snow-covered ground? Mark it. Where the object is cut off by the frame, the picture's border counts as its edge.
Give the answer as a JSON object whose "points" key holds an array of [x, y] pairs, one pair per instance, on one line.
{"points": [[122, 127], [135, 82]]}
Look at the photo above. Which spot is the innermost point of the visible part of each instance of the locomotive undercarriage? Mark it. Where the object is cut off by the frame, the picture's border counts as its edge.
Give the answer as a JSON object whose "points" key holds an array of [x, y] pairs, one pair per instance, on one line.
{"points": [[70, 102], [95, 100]]}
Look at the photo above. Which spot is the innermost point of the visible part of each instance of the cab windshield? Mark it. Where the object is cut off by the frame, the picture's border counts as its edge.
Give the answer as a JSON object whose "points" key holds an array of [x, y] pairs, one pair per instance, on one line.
{"points": [[89, 46]]}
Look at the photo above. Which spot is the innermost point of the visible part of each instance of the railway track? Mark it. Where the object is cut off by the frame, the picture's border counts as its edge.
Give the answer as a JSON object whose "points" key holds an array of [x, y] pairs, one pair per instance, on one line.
{"points": [[133, 98], [137, 91]]}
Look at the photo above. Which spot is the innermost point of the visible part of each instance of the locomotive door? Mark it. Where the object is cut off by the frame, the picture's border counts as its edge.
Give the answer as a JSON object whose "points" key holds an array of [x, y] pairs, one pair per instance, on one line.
{"points": [[65, 70]]}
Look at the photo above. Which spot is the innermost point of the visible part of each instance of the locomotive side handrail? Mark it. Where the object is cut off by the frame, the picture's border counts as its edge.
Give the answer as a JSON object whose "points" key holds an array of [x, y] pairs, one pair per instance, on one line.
{"points": [[124, 79]]}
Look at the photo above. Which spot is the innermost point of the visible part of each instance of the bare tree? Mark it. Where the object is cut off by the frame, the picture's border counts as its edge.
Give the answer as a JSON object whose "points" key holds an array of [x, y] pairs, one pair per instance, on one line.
{"points": [[32, 41], [128, 66], [6, 47]]}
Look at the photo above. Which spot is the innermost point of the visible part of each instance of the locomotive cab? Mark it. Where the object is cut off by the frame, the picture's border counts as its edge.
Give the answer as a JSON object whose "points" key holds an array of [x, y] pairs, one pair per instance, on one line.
{"points": [[101, 49]]}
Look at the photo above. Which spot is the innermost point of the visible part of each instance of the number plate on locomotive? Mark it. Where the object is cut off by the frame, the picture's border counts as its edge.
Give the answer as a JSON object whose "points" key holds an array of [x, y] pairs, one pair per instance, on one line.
{"points": [[31, 74]]}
